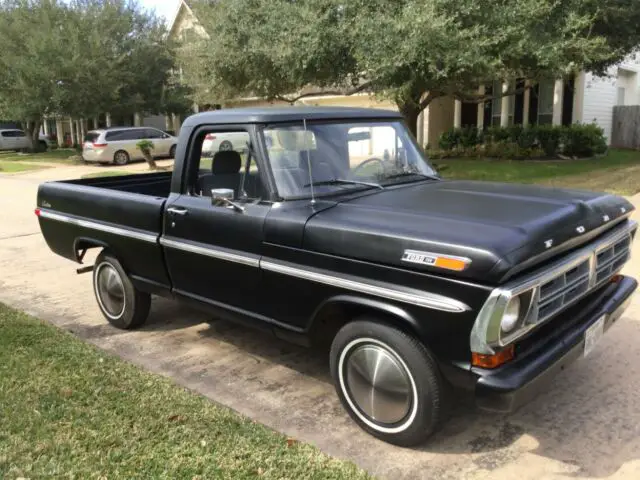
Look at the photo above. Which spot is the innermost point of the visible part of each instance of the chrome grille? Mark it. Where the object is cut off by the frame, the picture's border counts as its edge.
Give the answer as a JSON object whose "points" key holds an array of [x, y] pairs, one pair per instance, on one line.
{"points": [[610, 259], [563, 289]]}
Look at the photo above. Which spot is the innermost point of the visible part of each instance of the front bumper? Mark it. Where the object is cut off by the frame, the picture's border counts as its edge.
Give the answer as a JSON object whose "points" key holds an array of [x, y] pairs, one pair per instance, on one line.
{"points": [[508, 387]]}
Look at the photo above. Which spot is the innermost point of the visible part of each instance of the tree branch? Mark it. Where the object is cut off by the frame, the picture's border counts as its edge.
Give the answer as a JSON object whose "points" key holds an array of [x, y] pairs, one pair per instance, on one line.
{"points": [[431, 96], [485, 98], [323, 93]]}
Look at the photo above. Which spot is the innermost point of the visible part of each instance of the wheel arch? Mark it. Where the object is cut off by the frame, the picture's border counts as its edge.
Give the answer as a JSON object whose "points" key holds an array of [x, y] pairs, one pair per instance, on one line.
{"points": [[81, 244], [339, 310]]}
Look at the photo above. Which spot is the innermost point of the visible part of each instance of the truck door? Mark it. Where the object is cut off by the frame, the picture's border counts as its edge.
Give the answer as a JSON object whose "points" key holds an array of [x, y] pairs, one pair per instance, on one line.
{"points": [[212, 247]]}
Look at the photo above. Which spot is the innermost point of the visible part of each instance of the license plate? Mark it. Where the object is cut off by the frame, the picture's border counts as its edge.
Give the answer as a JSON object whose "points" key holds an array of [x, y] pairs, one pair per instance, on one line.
{"points": [[592, 335]]}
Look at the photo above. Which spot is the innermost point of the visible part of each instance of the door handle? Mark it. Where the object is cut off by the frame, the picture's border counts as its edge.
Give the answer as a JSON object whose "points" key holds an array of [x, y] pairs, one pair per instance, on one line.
{"points": [[177, 211]]}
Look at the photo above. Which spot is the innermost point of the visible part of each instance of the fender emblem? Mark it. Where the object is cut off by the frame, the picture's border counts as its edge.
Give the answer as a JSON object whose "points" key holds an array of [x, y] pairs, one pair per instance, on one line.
{"points": [[605, 218], [623, 210], [580, 229], [548, 243], [448, 262], [46, 204]]}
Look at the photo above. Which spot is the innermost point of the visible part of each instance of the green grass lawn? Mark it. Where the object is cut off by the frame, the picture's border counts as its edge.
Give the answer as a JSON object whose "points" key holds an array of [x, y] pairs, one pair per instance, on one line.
{"points": [[69, 410], [616, 172], [13, 167], [60, 155], [107, 173]]}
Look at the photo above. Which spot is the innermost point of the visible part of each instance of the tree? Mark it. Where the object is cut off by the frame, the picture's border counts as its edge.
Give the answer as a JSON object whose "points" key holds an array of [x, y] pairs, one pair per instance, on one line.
{"points": [[80, 58], [409, 51]]}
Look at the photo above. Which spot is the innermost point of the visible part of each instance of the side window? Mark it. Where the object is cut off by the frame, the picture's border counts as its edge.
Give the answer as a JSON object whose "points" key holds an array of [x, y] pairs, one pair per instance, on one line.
{"points": [[115, 136], [20, 133], [6, 134], [152, 133], [137, 134], [226, 162]]}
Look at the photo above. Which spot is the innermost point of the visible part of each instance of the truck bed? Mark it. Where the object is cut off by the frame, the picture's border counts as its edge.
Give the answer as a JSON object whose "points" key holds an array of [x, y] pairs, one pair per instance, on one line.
{"points": [[123, 214], [153, 184]]}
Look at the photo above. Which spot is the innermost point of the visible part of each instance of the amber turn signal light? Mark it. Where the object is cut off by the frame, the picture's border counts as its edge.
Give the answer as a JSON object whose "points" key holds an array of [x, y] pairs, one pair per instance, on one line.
{"points": [[484, 360], [449, 263]]}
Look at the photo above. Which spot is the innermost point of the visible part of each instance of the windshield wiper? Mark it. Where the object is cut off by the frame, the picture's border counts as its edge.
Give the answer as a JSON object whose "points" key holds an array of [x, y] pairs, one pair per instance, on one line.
{"points": [[406, 174], [338, 181]]}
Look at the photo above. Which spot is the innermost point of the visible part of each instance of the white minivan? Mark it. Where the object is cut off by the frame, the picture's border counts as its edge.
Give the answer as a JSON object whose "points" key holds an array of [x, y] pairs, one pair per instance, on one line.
{"points": [[119, 144]]}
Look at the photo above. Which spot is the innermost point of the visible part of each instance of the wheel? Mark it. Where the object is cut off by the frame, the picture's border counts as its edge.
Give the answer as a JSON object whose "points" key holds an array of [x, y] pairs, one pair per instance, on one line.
{"points": [[120, 302], [172, 152], [225, 146], [121, 157], [43, 145], [387, 381]]}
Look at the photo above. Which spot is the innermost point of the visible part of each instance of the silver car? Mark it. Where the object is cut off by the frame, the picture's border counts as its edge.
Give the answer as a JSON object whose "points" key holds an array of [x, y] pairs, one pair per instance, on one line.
{"points": [[119, 144]]}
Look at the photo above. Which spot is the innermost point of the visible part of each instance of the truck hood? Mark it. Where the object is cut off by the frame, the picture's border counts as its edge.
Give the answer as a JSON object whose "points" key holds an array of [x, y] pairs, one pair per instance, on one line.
{"points": [[501, 228]]}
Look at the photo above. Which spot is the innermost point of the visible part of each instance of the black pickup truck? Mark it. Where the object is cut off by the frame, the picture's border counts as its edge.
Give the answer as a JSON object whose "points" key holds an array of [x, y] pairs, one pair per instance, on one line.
{"points": [[328, 226]]}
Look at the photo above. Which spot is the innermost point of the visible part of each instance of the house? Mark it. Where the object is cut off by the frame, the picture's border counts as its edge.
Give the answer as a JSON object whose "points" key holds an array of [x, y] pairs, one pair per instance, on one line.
{"points": [[585, 98]]}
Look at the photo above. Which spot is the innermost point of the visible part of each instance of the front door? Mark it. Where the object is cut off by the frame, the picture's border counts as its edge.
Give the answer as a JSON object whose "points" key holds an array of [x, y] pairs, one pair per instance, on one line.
{"points": [[213, 248]]}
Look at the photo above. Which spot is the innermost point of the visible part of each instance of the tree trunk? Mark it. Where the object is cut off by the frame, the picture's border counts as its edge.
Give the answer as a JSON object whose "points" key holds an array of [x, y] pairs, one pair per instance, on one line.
{"points": [[149, 159], [32, 131], [411, 111]]}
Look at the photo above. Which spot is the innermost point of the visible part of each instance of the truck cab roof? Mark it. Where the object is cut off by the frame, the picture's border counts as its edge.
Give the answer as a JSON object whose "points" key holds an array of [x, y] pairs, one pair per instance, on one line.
{"points": [[286, 114]]}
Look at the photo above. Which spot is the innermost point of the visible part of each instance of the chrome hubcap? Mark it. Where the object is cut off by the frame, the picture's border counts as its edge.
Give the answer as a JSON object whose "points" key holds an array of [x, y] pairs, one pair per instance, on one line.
{"points": [[121, 158], [110, 290], [225, 146], [378, 384]]}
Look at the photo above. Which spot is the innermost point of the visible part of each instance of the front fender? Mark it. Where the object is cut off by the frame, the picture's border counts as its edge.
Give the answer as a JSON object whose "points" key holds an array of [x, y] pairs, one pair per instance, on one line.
{"points": [[355, 305]]}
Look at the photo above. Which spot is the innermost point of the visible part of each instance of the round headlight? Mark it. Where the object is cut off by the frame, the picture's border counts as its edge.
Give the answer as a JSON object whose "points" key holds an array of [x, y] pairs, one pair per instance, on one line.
{"points": [[511, 315]]}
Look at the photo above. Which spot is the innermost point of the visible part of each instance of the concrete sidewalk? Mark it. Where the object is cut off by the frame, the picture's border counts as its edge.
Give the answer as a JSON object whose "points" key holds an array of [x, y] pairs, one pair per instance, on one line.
{"points": [[586, 426]]}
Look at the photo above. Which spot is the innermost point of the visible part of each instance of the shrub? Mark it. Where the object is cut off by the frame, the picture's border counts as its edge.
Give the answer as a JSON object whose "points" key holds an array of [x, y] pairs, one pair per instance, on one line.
{"points": [[528, 137], [583, 140], [549, 139], [470, 137], [515, 132], [449, 139], [498, 134]]}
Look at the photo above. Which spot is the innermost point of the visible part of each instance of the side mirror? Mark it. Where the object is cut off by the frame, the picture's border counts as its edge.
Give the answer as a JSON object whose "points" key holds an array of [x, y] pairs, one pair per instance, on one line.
{"points": [[225, 196]]}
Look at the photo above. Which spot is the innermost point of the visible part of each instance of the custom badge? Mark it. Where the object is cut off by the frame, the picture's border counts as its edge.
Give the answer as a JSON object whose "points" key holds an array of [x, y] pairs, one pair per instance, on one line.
{"points": [[448, 262]]}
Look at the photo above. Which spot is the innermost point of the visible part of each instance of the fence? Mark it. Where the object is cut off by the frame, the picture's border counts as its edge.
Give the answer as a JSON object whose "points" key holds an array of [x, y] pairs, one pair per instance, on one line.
{"points": [[625, 132]]}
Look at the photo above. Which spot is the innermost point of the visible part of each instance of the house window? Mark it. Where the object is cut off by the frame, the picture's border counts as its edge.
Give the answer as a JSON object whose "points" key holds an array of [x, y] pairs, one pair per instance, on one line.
{"points": [[545, 102], [621, 92], [496, 105]]}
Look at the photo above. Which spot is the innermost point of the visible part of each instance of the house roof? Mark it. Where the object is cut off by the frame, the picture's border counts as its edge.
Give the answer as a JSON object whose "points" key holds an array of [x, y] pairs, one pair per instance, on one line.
{"points": [[183, 6], [286, 114]]}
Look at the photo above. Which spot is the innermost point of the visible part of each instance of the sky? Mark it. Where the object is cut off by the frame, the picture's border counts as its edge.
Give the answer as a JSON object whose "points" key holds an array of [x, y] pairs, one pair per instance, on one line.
{"points": [[164, 8]]}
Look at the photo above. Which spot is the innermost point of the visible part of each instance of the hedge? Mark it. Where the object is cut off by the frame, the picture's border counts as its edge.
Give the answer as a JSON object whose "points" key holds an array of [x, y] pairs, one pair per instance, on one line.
{"points": [[516, 141]]}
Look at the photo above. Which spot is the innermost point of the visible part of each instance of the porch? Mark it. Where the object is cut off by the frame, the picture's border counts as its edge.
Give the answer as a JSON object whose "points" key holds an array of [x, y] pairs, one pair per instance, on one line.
{"points": [[549, 102]]}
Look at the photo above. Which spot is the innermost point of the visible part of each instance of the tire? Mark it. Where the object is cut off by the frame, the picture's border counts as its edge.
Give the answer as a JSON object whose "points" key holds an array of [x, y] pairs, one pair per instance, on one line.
{"points": [[112, 288], [172, 152], [225, 146], [43, 146], [411, 408], [121, 158]]}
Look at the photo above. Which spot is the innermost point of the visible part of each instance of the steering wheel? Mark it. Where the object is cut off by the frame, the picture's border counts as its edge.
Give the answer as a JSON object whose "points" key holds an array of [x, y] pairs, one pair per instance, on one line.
{"points": [[367, 162]]}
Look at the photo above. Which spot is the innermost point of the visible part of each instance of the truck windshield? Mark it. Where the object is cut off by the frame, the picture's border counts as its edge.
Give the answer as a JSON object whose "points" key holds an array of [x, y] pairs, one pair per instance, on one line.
{"points": [[331, 157]]}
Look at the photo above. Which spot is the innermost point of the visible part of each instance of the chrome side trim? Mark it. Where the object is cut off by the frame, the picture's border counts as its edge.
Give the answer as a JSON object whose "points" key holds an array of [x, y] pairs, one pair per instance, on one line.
{"points": [[125, 232], [414, 297], [218, 253]]}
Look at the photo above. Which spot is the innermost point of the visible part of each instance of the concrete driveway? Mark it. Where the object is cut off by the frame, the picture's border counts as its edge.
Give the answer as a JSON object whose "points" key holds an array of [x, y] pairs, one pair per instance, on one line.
{"points": [[586, 426]]}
